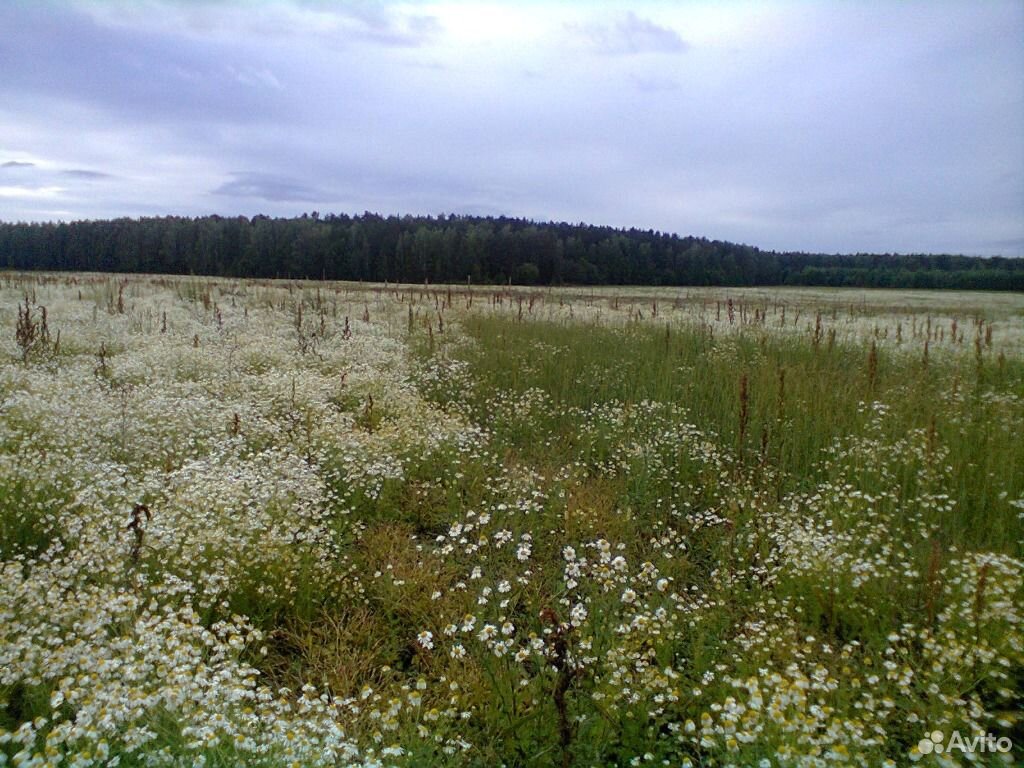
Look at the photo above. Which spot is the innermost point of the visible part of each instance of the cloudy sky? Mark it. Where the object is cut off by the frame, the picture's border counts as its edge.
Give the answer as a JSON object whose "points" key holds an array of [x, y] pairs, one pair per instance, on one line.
{"points": [[825, 126]]}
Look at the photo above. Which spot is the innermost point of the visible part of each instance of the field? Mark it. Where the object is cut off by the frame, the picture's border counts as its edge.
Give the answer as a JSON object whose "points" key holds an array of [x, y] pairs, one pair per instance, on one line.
{"points": [[270, 523]]}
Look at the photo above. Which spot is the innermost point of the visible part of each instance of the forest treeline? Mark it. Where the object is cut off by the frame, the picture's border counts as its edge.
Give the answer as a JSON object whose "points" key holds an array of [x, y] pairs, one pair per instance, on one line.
{"points": [[458, 249]]}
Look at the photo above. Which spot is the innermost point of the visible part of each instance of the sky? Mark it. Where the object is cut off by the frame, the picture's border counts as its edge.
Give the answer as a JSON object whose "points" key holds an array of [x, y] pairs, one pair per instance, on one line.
{"points": [[819, 126]]}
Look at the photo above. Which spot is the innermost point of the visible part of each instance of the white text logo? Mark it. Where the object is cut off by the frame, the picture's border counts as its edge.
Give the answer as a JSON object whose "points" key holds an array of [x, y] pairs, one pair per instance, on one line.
{"points": [[937, 743]]}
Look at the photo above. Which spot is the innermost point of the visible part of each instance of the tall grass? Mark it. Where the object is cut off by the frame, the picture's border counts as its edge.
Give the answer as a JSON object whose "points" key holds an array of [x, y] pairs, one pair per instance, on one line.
{"points": [[244, 523], [803, 399]]}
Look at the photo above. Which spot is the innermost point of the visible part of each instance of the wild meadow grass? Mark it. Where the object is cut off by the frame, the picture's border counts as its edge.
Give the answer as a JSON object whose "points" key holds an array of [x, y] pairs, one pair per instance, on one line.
{"points": [[269, 523], [800, 400]]}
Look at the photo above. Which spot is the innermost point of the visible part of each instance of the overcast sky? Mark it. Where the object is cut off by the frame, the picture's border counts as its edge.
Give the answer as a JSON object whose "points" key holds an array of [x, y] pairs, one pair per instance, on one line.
{"points": [[824, 126]]}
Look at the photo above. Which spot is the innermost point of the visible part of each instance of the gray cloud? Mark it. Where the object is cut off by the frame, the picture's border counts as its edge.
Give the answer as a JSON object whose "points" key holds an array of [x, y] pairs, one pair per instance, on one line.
{"points": [[378, 24], [16, 164], [631, 35], [309, 22], [826, 126], [269, 187], [79, 173], [60, 52]]}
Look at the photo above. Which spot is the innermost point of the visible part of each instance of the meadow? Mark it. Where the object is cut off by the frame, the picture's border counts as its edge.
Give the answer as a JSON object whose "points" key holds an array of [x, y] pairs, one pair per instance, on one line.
{"points": [[307, 524]]}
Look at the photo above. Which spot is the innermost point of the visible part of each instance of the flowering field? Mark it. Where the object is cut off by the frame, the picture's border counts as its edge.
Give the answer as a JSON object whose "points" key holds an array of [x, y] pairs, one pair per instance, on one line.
{"points": [[269, 523]]}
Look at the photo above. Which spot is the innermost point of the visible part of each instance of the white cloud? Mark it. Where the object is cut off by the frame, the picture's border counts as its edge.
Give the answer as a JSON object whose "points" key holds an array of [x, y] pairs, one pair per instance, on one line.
{"points": [[31, 193]]}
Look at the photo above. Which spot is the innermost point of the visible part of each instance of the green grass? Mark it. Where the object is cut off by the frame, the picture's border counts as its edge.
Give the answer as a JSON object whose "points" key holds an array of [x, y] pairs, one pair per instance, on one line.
{"points": [[802, 399], [922, 459], [680, 534]]}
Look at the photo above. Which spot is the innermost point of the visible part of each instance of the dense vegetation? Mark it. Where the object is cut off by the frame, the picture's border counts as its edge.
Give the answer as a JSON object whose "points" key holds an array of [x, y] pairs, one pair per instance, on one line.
{"points": [[321, 525], [460, 248]]}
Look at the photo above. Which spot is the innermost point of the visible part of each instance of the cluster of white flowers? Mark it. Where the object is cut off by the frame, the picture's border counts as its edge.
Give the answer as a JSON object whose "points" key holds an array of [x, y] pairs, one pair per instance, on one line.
{"points": [[184, 466], [271, 523]]}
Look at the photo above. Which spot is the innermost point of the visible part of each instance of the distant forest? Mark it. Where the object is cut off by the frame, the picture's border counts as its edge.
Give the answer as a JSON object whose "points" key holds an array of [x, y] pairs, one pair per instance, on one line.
{"points": [[457, 249]]}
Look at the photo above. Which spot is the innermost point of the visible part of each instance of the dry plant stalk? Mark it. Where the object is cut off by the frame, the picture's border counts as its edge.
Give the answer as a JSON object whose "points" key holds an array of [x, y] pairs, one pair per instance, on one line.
{"points": [[31, 335], [135, 525], [872, 367], [932, 582], [744, 410], [567, 675]]}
